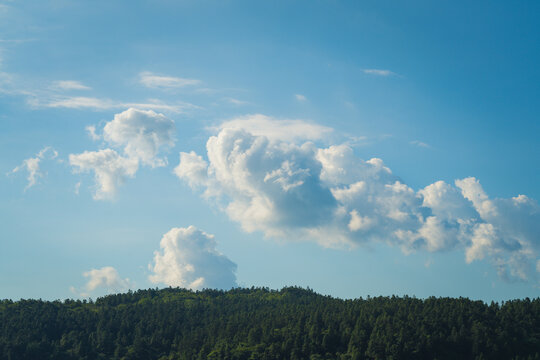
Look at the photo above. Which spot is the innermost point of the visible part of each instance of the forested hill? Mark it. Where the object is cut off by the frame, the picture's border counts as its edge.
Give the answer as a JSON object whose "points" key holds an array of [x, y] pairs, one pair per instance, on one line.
{"points": [[253, 323]]}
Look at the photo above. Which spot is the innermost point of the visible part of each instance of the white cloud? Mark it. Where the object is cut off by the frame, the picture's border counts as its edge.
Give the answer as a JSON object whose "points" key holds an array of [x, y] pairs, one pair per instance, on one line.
{"points": [[152, 80], [378, 72], [360, 222], [91, 130], [236, 102], [77, 102], [77, 188], [472, 190], [193, 169], [109, 168], [106, 278], [482, 242], [289, 190], [420, 144], [287, 130], [82, 102], [70, 85], [142, 134], [446, 202], [189, 259], [31, 165], [300, 97]]}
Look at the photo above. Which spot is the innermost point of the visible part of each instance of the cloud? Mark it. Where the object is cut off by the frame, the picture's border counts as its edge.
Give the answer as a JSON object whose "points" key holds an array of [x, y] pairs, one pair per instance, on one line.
{"points": [[91, 130], [31, 165], [152, 80], [188, 258], [77, 188], [76, 102], [420, 144], [193, 169], [110, 170], [236, 102], [378, 72], [300, 97], [292, 190], [82, 102], [70, 85], [106, 278], [288, 130], [140, 134]]}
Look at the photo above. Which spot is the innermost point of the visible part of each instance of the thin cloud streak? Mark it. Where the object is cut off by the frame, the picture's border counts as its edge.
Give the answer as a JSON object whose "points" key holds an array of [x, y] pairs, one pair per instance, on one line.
{"points": [[378, 72], [154, 81], [70, 85], [99, 104]]}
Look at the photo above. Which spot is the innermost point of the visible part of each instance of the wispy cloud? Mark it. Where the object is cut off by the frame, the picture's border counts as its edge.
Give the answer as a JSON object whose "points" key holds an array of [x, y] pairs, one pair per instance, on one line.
{"points": [[236, 102], [378, 72], [300, 97], [420, 144], [70, 85], [273, 129], [32, 165], [152, 80], [84, 102], [54, 96]]}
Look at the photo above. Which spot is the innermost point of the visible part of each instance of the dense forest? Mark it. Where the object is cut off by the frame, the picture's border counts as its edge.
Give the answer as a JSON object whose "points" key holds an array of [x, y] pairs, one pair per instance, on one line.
{"points": [[259, 323]]}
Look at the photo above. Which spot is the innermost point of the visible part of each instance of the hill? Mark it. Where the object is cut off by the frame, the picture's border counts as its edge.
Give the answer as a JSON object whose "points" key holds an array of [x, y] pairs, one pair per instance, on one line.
{"points": [[259, 323]]}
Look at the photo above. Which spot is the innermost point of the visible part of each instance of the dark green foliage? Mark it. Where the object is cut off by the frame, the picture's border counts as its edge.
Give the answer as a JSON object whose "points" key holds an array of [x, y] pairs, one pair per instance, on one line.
{"points": [[265, 324]]}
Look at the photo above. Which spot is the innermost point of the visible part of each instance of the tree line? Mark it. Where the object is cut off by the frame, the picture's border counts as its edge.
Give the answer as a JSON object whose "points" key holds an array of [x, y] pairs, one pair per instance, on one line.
{"points": [[258, 323]]}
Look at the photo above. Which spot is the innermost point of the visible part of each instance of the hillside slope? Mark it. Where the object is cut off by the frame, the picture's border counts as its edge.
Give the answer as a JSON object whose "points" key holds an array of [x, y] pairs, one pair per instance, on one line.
{"points": [[256, 323]]}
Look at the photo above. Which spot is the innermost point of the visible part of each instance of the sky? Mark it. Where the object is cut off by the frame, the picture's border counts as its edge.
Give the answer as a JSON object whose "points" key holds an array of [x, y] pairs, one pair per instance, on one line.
{"points": [[356, 148]]}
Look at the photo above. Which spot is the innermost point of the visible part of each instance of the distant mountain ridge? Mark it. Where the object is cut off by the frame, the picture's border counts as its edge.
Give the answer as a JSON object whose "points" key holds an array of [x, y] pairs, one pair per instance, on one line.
{"points": [[258, 323]]}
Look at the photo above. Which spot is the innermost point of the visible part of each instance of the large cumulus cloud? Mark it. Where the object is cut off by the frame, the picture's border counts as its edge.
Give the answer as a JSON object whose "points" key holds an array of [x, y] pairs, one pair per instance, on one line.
{"points": [[290, 188]]}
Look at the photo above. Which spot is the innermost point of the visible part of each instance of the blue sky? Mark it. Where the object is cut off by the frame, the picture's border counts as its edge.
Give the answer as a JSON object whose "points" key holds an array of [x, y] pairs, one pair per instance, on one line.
{"points": [[369, 148]]}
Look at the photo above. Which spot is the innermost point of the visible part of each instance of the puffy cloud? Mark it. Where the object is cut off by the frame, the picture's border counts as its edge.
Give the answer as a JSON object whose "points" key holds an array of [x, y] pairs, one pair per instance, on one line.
{"points": [[189, 259], [151, 80], [110, 169], [142, 134], [293, 190], [472, 190], [31, 165], [193, 168], [446, 201], [106, 278]]}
